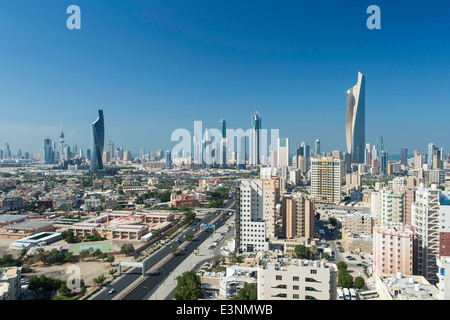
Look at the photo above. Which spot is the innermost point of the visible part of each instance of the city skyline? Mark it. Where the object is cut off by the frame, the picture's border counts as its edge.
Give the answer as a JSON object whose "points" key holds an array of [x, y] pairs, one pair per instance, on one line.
{"points": [[222, 73]]}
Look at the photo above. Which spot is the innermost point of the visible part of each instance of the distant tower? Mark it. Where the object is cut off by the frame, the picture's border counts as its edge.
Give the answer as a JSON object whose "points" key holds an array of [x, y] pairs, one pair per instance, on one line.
{"points": [[61, 143], [98, 141], [317, 148], [256, 129]]}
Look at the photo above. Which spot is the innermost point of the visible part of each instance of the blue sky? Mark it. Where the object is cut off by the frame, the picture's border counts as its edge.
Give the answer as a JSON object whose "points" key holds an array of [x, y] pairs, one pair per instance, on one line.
{"points": [[155, 66]]}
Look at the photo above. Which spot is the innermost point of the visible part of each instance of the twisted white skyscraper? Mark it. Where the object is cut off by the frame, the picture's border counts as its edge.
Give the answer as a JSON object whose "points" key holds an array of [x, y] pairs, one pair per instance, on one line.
{"points": [[355, 126]]}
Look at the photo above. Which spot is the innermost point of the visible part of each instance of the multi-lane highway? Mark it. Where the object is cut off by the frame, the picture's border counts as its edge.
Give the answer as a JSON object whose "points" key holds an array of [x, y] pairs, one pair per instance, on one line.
{"points": [[150, 282]]}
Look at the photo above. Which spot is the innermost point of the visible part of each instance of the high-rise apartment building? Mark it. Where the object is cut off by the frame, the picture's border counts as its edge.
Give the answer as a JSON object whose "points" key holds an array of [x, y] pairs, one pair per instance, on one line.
{"points": [[393, 249], [250, 225], [326, 179], [425, 221], [355, 123], [298, 216]]}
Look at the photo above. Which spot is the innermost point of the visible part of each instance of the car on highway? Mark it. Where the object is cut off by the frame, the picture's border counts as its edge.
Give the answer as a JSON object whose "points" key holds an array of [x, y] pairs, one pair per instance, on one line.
{"points": [[111, 291]]}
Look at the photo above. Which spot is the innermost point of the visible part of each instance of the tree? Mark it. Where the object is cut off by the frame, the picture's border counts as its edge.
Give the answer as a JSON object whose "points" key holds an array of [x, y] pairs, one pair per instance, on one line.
{"points": [[189, 237], [359, 282], [345, 279], [43, 285], [173, 250], [97, 253], [64, 290], [341, 265], [99, 280], [83, 254], [332, 221], [248, 292], [110, 259], [127, 249], [189, 287], [326, 256], [302, 252]]}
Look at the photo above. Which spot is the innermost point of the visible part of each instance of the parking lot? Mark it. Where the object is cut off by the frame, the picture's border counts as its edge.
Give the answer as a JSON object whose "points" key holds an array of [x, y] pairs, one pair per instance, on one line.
{"points": [[356, 262]]}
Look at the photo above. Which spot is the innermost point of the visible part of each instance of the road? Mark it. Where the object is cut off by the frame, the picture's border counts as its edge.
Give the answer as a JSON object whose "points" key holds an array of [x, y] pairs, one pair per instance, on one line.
{"points": [[151, 282]]}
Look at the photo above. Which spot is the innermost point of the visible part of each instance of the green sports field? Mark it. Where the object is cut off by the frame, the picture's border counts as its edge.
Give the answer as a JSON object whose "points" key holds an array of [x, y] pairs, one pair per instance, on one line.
{"points": [[104, 246]]}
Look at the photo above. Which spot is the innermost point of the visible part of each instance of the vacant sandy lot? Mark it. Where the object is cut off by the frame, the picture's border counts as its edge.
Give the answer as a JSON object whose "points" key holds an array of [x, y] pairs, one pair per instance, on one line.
{"points": [[89, 268]]}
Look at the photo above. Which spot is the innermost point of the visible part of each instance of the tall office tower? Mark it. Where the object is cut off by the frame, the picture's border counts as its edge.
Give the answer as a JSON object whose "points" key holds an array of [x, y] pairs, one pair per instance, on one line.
{"points": [[7, 151], [298, 216], [241, 152], [425, 221], [256, 143], [168, 159], [375, 154], [110, 149], [208, 157], [417, 159], [384, 163], [356, 123], [430, 155], [307, 154], [47, 152], [347, 159], [223, 131], [404, 156], [98, 142], [437, 158], [106, 157], [283, 152], [61, 143], [67, 154], [301, 164], [141, 153], [326, 179], [317, 148], [380, 146], [88, 153], [250, 224], [368, 154]]}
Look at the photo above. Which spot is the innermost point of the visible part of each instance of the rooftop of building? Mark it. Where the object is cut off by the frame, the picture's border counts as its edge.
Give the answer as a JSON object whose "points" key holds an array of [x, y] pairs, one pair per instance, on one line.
{"points": [[402, 287]]}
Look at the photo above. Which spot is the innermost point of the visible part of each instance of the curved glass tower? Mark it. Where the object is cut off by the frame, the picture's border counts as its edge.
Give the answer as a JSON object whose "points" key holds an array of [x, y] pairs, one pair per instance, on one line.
{"points": [[98, 141], [355, 126], [256, 128]]}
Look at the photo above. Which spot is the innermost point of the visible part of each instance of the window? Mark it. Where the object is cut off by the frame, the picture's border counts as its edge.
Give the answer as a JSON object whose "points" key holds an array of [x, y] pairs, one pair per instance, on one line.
{"points": [[313, 271], [278, 278], [295, 287], [296, 279], [295, 296]]}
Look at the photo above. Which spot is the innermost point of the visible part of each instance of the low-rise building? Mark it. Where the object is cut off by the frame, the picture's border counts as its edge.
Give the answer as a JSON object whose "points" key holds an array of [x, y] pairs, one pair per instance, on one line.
{"points": [[10, 283], [295, 279], [400, 287]]}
